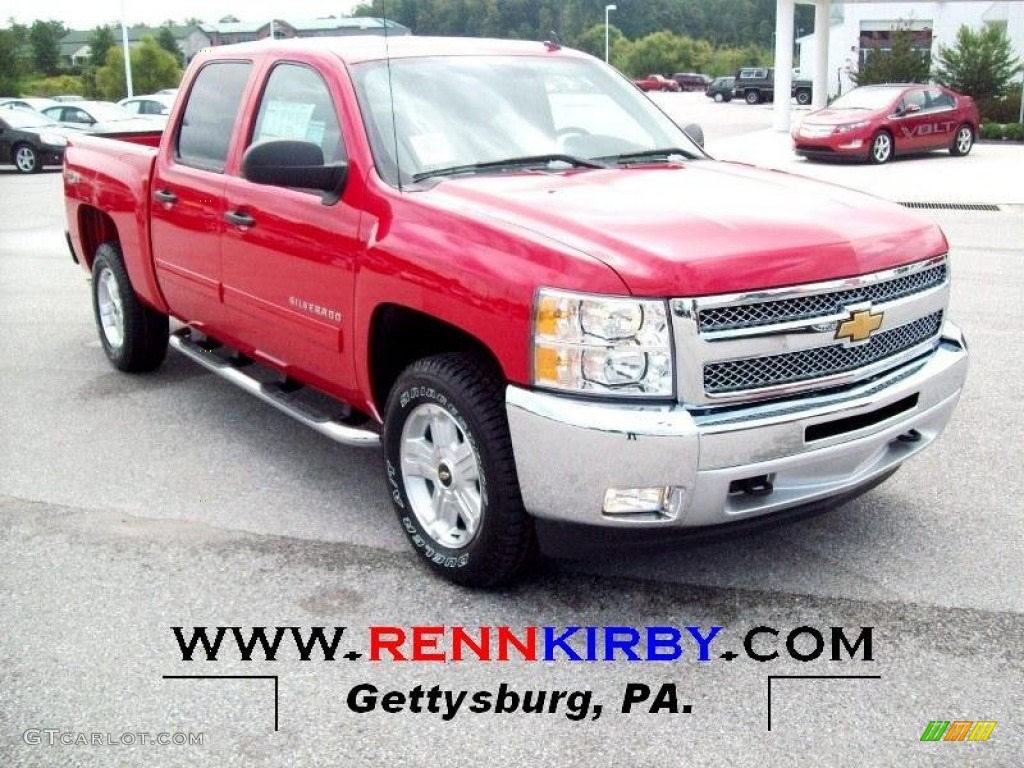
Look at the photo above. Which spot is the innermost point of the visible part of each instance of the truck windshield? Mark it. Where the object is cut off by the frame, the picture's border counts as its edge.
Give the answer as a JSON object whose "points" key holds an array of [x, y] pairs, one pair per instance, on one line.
{"points": [[484, 113]]}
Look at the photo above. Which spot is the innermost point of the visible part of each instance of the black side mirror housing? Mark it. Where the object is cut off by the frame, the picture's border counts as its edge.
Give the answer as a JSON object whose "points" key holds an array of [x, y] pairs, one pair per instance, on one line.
{"points": [[289, 163], [696, 133]]}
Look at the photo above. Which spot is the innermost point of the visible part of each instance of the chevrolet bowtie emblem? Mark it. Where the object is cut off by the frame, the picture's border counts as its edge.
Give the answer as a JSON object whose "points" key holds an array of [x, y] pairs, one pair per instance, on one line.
{"points": [[859, 325]]}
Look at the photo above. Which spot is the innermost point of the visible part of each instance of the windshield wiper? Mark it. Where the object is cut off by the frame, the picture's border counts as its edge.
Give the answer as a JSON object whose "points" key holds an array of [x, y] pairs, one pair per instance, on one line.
{"points": [[569, 161], [651, 154]]}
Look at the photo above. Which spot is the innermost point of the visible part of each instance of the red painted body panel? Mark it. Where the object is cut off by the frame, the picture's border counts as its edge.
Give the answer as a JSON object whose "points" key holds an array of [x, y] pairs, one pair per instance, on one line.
{"points": [[471, 251]]}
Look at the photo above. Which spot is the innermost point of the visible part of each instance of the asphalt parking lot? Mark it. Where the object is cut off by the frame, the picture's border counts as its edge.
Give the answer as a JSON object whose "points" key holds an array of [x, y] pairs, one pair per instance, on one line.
{"points": [[130, 505]]}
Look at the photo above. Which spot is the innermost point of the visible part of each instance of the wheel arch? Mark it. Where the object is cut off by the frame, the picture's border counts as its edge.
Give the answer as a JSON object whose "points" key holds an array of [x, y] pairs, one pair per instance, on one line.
{"points": [[94, 229], [399, 335]]}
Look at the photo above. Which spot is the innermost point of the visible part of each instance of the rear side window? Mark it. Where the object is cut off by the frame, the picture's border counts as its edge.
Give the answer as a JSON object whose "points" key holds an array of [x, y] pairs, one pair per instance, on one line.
{"points": [[210, 113], [297, 105]]}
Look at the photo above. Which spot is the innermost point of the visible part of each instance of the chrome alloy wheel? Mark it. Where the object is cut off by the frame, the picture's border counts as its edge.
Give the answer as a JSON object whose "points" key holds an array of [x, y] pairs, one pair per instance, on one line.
{"points": [[25, 159], [441, 476], [108, 298], [964, 139], [881, 147]]}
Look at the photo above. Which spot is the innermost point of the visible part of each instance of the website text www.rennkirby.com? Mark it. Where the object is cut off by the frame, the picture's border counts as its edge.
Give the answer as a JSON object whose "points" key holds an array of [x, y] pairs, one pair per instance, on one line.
{"points": [[437, 644]]}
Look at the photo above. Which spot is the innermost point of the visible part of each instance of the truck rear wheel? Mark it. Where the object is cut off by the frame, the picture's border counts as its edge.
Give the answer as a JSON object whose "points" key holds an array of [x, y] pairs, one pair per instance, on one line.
{"points": [[753, 97], [451, 472], [133, 336], [803, 97]]}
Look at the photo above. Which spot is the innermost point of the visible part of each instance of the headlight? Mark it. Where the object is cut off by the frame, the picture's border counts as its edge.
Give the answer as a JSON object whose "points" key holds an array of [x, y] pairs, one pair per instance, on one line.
{"points": [[602, 345], [53, 139], [847, 127]]}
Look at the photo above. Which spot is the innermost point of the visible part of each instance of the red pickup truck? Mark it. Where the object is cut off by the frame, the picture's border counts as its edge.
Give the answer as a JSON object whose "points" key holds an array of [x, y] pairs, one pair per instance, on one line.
{"points": [[505, 266], [656, 83]]}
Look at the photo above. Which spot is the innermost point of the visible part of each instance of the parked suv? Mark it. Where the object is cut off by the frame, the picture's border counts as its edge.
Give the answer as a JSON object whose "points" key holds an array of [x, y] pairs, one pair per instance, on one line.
{"points": [[691, 81], [757, 84], [721, 89]]}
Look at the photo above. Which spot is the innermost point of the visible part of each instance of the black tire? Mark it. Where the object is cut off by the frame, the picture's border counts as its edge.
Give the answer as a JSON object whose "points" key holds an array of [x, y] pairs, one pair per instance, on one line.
{"points": [[467, 393], [26, 158], [719, 97], [752, 97], [881, 148], [143, 332], [963, 141], [803, 97]]}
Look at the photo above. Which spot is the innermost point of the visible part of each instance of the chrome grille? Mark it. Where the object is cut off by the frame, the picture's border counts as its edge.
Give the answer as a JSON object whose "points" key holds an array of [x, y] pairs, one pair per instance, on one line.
{"points": [[818, 362], [817, 305]]}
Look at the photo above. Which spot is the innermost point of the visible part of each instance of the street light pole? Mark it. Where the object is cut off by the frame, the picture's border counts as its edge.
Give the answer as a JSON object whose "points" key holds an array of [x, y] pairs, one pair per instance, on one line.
{"points": [[127, 53], [607, 10]]}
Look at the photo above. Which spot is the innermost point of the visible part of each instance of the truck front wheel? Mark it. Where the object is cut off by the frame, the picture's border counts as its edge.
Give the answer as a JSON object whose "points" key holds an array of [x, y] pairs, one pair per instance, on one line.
{"points": [[451, 472], [133, 336]]}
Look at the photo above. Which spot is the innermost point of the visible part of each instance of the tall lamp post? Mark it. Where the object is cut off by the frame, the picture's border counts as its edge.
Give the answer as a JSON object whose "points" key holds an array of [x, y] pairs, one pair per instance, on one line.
{"points": [[127, 53], [607, 10]]}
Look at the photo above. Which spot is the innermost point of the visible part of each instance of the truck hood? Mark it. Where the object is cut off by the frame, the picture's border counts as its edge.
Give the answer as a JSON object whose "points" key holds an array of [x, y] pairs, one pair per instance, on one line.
{"points": [[700, 228]]}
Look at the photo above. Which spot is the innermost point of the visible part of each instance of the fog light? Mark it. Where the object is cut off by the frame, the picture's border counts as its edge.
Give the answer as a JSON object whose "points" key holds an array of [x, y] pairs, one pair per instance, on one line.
{"points": [[855, 144], [666, 501]]}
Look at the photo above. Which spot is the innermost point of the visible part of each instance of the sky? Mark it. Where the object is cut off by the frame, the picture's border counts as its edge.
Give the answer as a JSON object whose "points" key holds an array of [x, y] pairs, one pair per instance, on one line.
{"points": [[86, 15]]}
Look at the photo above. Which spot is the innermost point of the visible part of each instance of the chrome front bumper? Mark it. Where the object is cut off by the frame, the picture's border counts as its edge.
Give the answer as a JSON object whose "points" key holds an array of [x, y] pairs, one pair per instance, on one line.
{"points": [[570, 451]]}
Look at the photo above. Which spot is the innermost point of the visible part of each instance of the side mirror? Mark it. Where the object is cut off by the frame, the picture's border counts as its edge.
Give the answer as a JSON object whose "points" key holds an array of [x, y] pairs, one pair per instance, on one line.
{"points": [[696, 133], [287, 163]]}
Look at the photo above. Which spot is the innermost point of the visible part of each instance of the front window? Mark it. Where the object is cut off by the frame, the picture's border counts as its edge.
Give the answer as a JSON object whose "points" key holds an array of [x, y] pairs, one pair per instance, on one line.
{"points": [[455, 111]]}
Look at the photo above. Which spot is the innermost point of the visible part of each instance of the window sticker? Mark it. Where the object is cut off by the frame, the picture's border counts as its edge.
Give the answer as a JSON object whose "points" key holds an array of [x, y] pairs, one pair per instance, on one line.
{"points": [[287, 120]]}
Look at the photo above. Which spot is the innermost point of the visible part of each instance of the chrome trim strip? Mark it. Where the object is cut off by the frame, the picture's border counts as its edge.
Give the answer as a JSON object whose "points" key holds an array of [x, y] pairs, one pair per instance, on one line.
{"points": [[797, 291]]}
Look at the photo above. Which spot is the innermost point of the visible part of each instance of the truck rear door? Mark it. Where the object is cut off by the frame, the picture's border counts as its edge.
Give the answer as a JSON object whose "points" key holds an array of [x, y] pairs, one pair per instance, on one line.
{"points": [[188, 193], [290, 255]]}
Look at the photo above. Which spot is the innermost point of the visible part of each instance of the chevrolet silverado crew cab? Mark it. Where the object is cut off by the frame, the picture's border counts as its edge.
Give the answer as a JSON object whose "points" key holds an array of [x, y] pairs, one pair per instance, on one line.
{"points": [[502, 264]]}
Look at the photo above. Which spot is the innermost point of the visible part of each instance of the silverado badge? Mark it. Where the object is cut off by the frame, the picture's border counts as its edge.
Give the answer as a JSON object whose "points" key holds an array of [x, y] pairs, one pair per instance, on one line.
{"points": [[859, 325]]}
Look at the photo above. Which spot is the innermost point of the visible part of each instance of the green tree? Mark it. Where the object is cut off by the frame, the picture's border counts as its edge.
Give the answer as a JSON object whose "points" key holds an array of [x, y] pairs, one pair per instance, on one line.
{"points": [[44, 37], [100, 42], [903, 62], [981, 63], [592, 41], [166, 40], [153, 68], [12, 62]]}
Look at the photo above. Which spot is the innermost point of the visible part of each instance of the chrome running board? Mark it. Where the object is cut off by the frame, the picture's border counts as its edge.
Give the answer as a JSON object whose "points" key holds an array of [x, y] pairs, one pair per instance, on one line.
{"points": [[276, 394]]}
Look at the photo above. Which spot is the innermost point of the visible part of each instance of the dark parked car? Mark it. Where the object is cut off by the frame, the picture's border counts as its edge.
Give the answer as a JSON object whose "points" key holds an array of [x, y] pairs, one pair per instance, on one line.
{"points": [[875, 122], [721, 88], [31, 140], [691, 81]]}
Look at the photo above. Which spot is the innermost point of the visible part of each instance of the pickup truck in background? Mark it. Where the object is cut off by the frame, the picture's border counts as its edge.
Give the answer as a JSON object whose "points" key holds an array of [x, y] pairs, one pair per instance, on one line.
{"points": [[756, 85], [505, 268], [657, 83]]}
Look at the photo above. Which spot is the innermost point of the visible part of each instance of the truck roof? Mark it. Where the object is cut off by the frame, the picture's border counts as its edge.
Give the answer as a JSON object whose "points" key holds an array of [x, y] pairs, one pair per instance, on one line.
{"points": [[358, 48]]}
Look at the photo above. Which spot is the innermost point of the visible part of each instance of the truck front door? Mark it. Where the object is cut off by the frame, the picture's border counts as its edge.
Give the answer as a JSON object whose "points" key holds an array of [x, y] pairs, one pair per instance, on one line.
{"points": [[188, 195], [289, 255]]}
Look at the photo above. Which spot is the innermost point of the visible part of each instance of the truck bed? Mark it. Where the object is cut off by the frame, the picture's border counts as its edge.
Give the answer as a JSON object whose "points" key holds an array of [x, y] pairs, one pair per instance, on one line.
{"points": [[106, 188]]}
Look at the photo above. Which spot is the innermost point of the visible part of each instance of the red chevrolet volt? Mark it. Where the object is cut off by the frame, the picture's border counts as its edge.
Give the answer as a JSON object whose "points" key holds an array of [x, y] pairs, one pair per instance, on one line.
{"points": [[875, 122]]}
